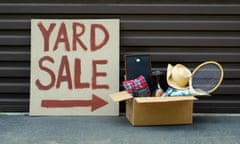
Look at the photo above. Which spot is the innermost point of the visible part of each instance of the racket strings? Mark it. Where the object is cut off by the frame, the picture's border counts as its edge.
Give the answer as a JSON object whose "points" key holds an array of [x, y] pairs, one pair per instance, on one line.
{"points": [[206, 77]]}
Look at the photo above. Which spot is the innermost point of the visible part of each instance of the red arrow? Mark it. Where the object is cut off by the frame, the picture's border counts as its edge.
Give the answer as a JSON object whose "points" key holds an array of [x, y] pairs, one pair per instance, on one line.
{"points": [[95, 103]]}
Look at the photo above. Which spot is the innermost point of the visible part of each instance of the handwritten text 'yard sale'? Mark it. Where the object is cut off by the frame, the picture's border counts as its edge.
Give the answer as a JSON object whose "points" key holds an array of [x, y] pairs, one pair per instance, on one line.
{"points": [[71, 41]]}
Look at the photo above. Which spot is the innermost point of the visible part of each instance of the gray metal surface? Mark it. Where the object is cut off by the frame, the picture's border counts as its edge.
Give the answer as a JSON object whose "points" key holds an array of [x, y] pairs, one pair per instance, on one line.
{"points": [[175, 31]]}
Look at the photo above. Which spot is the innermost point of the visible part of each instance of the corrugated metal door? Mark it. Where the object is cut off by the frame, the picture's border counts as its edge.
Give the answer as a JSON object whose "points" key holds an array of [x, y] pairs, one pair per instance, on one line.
{"points": [[171, 31]]}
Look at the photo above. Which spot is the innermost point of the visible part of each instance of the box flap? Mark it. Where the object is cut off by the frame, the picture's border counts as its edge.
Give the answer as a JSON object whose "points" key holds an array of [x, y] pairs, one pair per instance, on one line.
{"points": [[120, 96], [163, 99]]}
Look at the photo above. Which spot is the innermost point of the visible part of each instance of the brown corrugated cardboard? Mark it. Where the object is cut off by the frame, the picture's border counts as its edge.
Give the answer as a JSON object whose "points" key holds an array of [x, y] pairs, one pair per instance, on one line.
{"points": [[143, 111], [121, 96]]}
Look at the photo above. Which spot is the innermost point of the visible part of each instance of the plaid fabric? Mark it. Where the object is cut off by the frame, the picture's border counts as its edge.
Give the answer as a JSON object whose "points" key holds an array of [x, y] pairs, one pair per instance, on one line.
{"points": [[135, 84]]}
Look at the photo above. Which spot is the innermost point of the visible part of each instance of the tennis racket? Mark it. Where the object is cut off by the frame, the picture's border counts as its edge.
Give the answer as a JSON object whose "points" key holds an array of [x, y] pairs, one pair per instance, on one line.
{"points": [[206, 78]]}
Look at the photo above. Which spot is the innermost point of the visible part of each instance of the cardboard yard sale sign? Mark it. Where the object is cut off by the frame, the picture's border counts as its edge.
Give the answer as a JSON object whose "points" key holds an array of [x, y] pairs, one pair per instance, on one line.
{"points": [[74, 67]]}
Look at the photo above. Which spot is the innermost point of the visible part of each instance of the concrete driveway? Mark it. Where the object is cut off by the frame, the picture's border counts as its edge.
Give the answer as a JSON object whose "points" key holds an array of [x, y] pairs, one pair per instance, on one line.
{"points": [[206, 129]]}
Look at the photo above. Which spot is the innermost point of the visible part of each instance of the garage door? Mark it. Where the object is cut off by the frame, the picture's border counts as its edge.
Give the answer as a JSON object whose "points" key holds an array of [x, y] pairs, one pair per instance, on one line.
{"points": [[187, 32]]}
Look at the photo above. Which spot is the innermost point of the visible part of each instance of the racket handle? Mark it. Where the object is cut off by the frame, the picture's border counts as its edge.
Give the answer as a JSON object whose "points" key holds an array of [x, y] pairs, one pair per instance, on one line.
{"points": [[198, 92]]}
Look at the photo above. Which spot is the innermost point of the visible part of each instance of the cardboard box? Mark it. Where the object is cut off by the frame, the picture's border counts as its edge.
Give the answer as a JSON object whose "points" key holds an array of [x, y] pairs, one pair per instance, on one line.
{"points": [[146, 111]]}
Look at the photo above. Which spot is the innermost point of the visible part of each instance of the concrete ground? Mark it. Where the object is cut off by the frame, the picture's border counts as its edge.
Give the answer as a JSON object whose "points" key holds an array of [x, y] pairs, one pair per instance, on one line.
{"points": [[206, 129]]}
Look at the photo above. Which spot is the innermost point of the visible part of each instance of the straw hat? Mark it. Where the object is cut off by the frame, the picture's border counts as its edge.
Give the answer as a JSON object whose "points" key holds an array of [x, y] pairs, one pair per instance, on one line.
{"points": [[178, 76]]}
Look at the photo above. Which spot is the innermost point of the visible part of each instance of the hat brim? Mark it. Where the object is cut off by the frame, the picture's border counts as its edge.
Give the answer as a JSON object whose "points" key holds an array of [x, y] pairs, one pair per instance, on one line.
{"points": [[174, 85]]}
